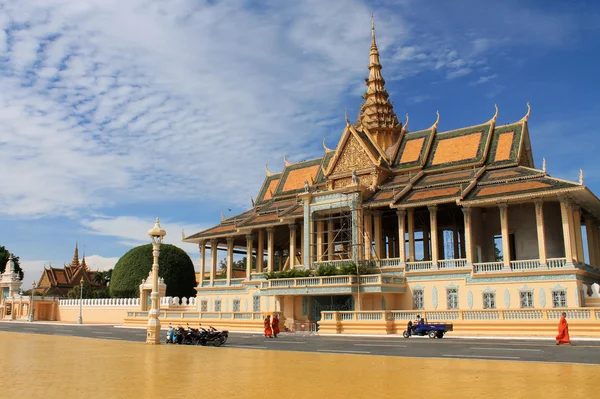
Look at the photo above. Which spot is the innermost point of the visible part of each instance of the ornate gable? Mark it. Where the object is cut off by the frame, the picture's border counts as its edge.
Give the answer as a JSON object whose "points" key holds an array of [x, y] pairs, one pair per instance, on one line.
{"points": [[352, 154]]}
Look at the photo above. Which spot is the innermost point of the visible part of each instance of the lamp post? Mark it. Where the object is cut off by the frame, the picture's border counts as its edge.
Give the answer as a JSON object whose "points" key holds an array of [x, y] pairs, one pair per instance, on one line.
{"points": [[153, 330], [31, 303], [80, 318]]}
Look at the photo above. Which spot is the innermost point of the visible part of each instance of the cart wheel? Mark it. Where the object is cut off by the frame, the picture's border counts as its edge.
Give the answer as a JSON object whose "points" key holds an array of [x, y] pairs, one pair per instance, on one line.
{"points": [[405, 334], [432, 334], [440, 334]]}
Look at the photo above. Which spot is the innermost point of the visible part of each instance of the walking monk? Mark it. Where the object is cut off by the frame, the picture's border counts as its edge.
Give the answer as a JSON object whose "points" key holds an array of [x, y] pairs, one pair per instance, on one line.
{"points": [[563, 331], [268, 331], [275, 325]]}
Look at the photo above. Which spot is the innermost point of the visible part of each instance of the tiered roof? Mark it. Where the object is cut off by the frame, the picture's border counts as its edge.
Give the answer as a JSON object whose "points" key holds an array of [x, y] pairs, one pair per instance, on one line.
{"points": [[467, 166], [58, 281]]}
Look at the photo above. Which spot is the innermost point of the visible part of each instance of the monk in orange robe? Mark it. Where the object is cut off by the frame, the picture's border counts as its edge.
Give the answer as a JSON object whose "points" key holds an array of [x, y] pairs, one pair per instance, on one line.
{"points": [[275, 325], [268, 331], [563, 331]]}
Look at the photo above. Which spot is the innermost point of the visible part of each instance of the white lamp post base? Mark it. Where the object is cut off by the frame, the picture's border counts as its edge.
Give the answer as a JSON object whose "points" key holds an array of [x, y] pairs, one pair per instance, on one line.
{"points": [[153, 332]]}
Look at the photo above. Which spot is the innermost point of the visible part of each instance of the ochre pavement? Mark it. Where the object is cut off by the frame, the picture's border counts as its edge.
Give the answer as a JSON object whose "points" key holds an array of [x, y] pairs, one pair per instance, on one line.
{"points": [[69, 367]]}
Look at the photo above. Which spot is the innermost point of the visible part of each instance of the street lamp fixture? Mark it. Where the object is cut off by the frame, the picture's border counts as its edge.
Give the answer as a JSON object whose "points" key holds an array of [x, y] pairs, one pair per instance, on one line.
{"points": [[80, 318], [31, 303], [157, 235]]}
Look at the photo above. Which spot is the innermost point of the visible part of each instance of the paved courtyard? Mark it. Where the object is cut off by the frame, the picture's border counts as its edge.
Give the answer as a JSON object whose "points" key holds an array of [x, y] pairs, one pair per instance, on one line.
{"points": [[52, 366]]}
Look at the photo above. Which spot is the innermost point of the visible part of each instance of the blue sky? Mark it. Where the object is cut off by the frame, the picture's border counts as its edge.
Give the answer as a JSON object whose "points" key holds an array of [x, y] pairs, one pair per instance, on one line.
{"points": [[115, 112]]}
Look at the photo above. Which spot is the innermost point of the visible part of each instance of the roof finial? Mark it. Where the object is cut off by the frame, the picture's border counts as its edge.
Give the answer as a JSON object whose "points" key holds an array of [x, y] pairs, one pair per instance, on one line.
{"points": [[346, 116], [285, 160], [267, 170], [222, 217], [373, 42], [526, 117], [182, 235], [406, 123], [495, 115], [252, 199], [437, 121], [581, 177], [544, 165], [325, 147]]}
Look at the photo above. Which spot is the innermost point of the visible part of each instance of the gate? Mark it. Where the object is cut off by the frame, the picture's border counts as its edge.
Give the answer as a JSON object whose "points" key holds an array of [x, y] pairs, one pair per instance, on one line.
{"points": [[329, 303]]}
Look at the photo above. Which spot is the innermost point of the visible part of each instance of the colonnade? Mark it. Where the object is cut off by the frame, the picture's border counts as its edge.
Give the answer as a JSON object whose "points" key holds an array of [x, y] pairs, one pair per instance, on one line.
{"points": [[392, 246]]}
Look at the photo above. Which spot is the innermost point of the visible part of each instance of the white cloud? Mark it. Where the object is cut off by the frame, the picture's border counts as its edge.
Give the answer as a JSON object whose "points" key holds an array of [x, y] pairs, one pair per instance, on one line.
{"points": [[105, 101], [484, 79], [133, 231]]}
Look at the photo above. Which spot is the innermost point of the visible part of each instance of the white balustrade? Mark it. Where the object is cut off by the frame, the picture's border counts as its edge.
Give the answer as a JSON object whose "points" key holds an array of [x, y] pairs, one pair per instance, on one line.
{"points": [[370, 315], [525, 264], [416, 266], [523, 314], [433, 316], [576, 314], [405, 315], [452, 263], [488, 267], [389, 262], [481, 315], [556, 263], [374, 279]]}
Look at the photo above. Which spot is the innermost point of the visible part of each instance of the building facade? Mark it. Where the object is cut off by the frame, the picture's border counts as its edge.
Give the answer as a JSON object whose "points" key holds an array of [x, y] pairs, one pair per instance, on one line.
{"points": [[455, 224]]}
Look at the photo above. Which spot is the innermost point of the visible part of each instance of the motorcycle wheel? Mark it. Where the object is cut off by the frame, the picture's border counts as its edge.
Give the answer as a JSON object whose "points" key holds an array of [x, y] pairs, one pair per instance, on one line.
{"points": [[217, 342], [405, 334]]}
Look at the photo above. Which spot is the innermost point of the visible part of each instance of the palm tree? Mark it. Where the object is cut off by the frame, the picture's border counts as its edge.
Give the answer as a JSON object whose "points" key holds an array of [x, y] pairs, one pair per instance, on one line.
{"points": [[99, 279]]}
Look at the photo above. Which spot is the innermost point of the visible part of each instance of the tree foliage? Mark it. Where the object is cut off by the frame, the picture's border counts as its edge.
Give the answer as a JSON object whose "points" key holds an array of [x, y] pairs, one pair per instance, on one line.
{"points": [[89, 292], [175, 266], [4, 254]]}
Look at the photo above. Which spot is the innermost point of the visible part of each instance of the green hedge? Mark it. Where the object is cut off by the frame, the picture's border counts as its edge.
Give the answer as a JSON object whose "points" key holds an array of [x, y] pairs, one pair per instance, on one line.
{"points": [[345, 269], [175, 266]]}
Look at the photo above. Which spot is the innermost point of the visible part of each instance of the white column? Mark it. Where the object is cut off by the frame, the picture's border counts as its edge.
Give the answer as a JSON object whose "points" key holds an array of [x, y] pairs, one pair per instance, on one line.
{"points": [[202, 245], [378, 239], [578, 235], [292, 246], [249, 239], [330, 239], [566, 223], [434, 235], [367, 237], [320, 233], [213, 261], [260, 251], [270, 249], [302, 254], [411, 235], [468, 214], [541, 232], [229, 259], [402, 234], [505, 234]]}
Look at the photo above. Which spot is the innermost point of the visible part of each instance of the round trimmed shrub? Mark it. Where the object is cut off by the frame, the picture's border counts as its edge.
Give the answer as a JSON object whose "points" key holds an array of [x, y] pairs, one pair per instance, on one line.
{"points": [[175, 266]]}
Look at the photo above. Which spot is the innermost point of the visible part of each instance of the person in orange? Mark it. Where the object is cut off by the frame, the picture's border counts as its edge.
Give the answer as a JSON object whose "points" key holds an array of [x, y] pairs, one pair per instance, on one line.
{"points": [[563, 331], [268, 331], [275, 325]]}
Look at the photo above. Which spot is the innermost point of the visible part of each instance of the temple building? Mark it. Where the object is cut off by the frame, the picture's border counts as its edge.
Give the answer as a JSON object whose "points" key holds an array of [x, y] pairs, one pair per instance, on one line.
{"points": [[59, 281], [445, 221]]}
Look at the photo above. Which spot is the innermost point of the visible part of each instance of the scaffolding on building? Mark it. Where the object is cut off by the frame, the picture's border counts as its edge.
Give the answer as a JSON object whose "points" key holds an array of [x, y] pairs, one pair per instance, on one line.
{"points": [[336, 227]]}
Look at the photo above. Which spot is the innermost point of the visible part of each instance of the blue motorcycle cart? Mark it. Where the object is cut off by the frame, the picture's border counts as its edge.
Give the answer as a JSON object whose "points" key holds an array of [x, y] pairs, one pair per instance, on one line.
{"points": [[433, 330]]}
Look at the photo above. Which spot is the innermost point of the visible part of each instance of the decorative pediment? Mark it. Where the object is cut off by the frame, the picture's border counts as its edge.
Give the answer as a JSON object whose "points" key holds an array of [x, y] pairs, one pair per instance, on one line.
{"points": [[352, 156]]}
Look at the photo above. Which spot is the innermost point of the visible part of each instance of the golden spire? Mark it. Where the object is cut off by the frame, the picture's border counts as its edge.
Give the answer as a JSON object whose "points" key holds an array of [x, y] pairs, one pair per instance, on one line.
{"points": [[376, 112], [75, 261]]}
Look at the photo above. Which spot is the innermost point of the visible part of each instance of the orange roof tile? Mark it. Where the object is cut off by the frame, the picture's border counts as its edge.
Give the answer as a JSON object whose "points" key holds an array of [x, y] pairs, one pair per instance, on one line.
{"points": [[264, 218], [438, 192], [296, 178], [504, 146], [412, 150], [505, 173], [449, 176], [510, 188], [271, 189], [457, 148]]}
